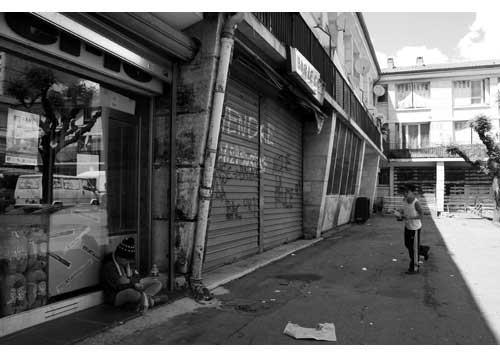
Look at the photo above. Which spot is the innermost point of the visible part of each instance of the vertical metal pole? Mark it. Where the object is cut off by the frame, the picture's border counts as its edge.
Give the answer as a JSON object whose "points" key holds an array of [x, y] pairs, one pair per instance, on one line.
{"points": [[173, 180], [415, 251], [139, 237], [261, 177], [150, 182]]}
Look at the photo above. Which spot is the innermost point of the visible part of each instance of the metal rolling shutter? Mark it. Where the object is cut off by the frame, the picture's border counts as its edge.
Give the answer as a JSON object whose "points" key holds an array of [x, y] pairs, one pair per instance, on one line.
{"points": [[424, 178], [233, 225], [281, 149], [465, 187]]}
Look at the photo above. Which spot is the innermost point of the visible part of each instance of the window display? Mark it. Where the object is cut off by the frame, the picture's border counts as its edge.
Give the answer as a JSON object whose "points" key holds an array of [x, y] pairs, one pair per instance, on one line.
{"points": [[66, 144]]}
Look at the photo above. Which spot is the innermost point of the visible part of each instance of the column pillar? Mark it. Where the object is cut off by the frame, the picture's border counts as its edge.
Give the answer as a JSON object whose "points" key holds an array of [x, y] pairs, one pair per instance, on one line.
{"points": [[391, 181], [439, 187]]}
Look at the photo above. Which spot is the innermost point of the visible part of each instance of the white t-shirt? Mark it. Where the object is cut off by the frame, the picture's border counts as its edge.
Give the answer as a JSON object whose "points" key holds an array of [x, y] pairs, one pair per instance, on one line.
{"points": [[410, 211]]}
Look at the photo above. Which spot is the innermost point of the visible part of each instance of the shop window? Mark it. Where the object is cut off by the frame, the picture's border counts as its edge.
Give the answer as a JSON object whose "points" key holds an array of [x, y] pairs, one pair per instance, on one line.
{"points": [[68, 179], [339, 158], [471, 92], [412, 95], [344, 165]]}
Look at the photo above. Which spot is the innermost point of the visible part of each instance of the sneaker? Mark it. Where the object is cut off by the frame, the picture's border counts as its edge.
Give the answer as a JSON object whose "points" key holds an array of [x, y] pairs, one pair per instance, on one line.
{"points": [[160, 299], [411, 272]]}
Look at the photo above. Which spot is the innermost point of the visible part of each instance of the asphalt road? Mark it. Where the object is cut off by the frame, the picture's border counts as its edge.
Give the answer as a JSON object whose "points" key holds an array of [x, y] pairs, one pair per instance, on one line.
{"points": [[379, 304]]}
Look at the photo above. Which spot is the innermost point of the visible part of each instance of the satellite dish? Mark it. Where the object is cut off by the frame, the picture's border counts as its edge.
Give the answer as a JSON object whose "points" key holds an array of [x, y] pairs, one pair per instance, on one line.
{"points": [[379, 90], [362, 66]]}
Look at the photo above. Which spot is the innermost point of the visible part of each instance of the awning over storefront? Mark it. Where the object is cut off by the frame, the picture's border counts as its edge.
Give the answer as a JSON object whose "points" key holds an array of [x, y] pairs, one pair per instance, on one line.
{"points": [[147, 28]]}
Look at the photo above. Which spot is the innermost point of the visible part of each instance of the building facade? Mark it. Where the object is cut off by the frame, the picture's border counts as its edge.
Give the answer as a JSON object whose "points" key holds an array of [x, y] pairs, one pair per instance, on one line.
{"points": [[208, 137], [427, 108]]}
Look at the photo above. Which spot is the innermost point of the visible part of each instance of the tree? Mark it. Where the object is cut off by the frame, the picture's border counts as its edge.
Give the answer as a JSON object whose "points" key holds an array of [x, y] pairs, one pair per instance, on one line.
{"points": [[482, 126], [61, 104]]}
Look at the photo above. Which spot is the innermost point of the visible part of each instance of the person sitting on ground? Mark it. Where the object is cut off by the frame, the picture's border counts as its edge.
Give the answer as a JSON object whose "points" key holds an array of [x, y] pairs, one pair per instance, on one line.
{"points": [[122, 284], [412, 214]]}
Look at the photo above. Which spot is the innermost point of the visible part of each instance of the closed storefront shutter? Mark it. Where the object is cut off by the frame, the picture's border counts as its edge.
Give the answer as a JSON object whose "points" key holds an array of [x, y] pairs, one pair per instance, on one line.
{"points": [[257, 196], [233, 225], [282, 177]]}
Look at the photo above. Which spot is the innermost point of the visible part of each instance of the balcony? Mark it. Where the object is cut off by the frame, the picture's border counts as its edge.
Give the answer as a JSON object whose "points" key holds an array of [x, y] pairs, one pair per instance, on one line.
{"points": [[291, 29], [392, 151]]}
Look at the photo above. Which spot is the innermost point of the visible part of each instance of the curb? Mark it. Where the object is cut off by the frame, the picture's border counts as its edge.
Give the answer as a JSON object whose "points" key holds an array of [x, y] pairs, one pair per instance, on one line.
{"points": [[244, 267], [231, 272]]}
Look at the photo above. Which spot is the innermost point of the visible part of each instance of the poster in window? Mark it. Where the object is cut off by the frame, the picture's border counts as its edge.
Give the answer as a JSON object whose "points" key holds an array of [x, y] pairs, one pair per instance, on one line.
{"points": [[22, 138]]}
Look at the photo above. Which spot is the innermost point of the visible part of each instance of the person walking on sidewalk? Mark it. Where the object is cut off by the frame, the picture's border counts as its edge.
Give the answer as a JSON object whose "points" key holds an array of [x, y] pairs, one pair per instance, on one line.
{"points": [[412, 215], [122, 284]]}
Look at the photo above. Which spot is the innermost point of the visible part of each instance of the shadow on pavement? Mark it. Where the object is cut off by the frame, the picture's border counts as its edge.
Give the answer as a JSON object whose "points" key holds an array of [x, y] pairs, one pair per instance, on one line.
{"points": [[357, 281]]}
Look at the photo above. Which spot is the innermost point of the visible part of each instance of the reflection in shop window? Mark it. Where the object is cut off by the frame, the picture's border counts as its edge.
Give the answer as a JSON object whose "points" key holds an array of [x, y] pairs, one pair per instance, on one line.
{"points": [[66, 143]]}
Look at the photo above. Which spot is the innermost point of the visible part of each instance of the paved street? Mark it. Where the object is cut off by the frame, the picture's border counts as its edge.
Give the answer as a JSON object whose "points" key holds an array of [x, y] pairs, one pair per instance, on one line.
{"points": [[327, 283]]}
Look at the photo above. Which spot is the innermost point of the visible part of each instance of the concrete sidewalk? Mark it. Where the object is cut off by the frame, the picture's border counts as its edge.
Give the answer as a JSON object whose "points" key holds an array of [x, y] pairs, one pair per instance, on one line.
{"points": [[354, 279], [474, 245]]}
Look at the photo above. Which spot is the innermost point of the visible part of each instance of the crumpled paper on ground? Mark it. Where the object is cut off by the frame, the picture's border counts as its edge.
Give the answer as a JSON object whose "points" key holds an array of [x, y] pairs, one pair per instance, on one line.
{"points": [[323, 332]]}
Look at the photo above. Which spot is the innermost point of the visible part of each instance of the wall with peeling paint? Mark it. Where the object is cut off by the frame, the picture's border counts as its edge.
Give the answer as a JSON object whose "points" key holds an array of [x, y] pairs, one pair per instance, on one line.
{"points": [[317, 149], [338, 211]]}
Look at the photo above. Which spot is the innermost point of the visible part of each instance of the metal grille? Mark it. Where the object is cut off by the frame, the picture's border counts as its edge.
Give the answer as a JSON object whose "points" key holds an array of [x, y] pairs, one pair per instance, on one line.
{"points": [[282, 150]]}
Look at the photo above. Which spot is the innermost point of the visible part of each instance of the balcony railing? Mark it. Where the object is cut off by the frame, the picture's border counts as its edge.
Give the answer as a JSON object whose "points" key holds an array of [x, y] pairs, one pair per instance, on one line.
{"points": [[291, 29], [393, 151]]}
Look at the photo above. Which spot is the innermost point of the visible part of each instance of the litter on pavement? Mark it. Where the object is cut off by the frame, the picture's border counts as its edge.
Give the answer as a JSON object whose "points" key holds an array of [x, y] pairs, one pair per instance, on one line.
{"points": [[323, 332], [364, 269], [219, 291], [394, 260]]}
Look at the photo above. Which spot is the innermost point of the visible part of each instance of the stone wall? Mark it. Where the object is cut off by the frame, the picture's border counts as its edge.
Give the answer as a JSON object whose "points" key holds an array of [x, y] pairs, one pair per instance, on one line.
{"points": [[195, 88]]}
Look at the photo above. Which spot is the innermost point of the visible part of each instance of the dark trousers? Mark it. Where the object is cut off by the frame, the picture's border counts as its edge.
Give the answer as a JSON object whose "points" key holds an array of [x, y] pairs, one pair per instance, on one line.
{"points": [[409, 242]]}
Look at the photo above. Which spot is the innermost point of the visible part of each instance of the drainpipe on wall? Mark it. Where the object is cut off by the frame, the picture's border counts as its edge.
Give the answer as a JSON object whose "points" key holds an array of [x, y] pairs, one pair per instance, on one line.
{"points": [[226, 49]]}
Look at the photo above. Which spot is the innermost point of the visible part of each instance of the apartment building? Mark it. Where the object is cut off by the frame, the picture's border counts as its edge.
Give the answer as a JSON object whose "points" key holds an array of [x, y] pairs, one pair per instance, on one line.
{"points": [[427, 108]]}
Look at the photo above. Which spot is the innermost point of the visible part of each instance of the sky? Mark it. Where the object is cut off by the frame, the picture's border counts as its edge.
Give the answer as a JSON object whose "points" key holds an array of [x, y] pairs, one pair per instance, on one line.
{"points": [[439, 37]]}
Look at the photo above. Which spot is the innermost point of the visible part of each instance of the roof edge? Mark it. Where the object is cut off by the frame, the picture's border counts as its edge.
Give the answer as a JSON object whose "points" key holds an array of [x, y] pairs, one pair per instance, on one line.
{"points": [[425, 70], [369, 40]]}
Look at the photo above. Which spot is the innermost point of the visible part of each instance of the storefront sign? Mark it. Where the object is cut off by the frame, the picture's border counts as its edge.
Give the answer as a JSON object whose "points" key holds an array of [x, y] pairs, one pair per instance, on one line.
{"points": [[22, 138], [307, 74]]}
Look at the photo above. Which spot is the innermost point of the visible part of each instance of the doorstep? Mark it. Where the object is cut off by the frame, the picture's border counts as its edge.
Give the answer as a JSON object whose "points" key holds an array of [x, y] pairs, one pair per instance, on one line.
{"points": [[70, 328], [77, 326]]}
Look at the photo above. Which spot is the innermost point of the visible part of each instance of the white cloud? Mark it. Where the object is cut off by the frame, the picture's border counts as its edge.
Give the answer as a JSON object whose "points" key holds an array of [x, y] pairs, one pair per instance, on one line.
{"points": [[481, 42], [407, 56]]}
